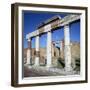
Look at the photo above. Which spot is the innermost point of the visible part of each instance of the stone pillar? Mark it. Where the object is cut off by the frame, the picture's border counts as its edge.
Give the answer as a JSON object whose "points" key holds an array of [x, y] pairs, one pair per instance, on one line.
{"points": [[73, 63], [61, 46], [62, 49], [67, 49], [37, 51], [49, 49], [29, 52], [52, 47]]}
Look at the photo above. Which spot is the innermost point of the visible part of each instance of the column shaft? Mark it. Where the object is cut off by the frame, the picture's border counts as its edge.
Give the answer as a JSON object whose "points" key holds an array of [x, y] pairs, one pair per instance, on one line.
{"points": [[61, 46], [67, 49], [37, 51], [29, 52], [49, 49]]}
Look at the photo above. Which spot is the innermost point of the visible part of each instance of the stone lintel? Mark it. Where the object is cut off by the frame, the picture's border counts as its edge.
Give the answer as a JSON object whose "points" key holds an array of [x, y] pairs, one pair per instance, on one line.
{"points": [[62, 22]]}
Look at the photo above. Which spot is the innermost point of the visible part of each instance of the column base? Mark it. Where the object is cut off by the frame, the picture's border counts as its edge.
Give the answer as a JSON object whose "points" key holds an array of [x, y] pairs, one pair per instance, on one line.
{"points": [[37, 61], [69, 71], [28, 61], [48, 66]]}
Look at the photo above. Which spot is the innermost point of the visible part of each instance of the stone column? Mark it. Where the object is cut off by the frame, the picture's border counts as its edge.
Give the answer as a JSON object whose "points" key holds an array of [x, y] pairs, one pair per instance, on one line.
{"points": [[62, 49], [37, 51], [61, 46], [49, 49], [29, 52], [52, 47], [67, 49]]}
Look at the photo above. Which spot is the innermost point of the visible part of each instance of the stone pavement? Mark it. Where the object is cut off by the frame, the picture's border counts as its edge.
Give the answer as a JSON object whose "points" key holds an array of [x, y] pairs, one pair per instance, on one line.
{"points": [[36, 71]]}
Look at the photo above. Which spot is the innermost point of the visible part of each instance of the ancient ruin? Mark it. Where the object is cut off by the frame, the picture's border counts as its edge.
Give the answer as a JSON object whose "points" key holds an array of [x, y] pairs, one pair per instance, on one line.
{"points": [[65, 51]]}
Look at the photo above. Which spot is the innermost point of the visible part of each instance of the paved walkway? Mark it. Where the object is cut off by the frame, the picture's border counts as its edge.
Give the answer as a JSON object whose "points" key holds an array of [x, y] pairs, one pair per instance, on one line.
{"points": [[33, 71]]}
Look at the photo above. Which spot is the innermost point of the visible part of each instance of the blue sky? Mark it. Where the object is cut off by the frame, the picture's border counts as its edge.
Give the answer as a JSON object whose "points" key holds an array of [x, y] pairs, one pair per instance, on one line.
{"points": [[33, 19]]}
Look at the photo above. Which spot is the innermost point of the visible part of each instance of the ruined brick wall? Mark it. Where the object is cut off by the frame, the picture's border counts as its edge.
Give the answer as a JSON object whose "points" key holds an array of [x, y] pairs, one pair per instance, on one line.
{"points": [[75, 53]]}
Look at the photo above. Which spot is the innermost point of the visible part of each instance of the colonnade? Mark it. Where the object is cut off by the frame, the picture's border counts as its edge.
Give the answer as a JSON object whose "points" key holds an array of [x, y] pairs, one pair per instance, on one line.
{"points": [[67, 50]]}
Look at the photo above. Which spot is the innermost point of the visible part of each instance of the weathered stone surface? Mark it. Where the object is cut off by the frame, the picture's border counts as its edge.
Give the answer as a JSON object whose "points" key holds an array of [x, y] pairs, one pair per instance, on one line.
{"points": [[75, 54], [54, 25]]}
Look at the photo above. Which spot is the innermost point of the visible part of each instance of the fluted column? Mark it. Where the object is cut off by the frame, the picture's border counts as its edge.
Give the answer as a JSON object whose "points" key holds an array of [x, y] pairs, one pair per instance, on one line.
{"points": [[67, 49], [37, 51], [61, 46], [49, 62], [29, 52]]}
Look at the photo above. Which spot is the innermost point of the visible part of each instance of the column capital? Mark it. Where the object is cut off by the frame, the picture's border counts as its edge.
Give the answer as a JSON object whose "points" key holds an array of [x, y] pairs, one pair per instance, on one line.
{"points": [[49, 31], [37, 35], [67, 25], [29, 39]]}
